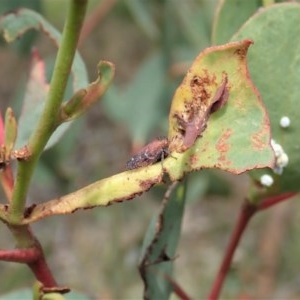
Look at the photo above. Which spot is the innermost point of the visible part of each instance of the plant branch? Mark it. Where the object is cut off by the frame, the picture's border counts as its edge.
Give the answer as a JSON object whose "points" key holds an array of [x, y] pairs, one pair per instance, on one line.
{"points": [[48, 120], [267, 203], [19, 255], [247, 211], [32, 255]]}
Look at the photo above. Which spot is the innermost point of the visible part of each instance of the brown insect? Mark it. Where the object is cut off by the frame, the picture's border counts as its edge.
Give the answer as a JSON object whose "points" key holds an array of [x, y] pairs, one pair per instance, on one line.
{"points": [[153, 152]]}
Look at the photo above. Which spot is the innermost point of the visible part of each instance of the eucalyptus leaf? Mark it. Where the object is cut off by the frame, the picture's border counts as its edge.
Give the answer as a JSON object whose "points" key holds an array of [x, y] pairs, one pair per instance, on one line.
{"points": [[160, 244], [274, 65]]}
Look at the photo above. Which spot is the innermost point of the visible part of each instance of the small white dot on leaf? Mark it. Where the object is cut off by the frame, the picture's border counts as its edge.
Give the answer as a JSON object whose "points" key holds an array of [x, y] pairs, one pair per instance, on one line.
{"points": [[277, 148], [282, 160], [266, 180], [285, 122]]}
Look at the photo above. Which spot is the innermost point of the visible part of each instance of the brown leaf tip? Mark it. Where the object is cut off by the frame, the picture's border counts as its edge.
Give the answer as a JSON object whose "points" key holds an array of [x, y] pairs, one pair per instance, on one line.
{"points": [[242, 51]]}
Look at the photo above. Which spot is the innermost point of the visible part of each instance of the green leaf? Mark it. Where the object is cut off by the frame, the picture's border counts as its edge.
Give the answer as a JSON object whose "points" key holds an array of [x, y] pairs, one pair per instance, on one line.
{"points": [[14, 25], [230, 16], [117, 188], [24, 44], [275, 68], [160, 244], [238, 135]]}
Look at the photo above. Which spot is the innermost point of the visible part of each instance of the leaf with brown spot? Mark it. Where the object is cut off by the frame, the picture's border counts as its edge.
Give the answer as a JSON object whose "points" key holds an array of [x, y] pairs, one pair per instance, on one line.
{"points": [[190, 120], [236, 137]]}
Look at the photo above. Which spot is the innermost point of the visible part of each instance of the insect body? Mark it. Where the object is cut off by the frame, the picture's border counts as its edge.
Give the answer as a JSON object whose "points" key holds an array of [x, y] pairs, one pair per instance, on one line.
{"points": [[150, 154]]}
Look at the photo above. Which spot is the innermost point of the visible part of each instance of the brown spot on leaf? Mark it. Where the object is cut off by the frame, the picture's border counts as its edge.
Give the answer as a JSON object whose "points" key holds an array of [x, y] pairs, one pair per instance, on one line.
{"points": [[147, 184], [223, 146], [193, 159], [192, 121], [258, 138], [242, 52], [120, 200]]}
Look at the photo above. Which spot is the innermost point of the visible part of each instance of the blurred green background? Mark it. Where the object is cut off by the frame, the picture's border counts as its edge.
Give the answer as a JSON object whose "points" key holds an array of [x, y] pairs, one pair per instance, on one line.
{"points": [[152, 44]]}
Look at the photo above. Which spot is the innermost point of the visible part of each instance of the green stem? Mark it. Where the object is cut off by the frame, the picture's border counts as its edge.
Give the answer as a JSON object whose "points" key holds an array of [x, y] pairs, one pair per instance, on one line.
{"points": [[48, 120]]}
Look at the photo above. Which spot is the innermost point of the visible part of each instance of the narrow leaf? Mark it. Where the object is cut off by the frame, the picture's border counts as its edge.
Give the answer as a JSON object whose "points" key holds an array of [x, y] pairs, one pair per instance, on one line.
{"points": [[118, 188], [160, 244]]}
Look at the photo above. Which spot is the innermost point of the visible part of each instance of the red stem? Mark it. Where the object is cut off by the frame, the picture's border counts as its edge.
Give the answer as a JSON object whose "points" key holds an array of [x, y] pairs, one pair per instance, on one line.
{"points": [[246, 212], [35, 260], [177, 289], [274, 200], [19, 255], [42, 272], [40, 268]]}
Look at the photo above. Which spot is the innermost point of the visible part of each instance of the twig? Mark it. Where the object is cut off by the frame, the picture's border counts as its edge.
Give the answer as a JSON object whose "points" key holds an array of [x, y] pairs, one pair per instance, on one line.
{"points": [[267, 203], [270, 249], [247, 211], [29, 250], [19, 255]]}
